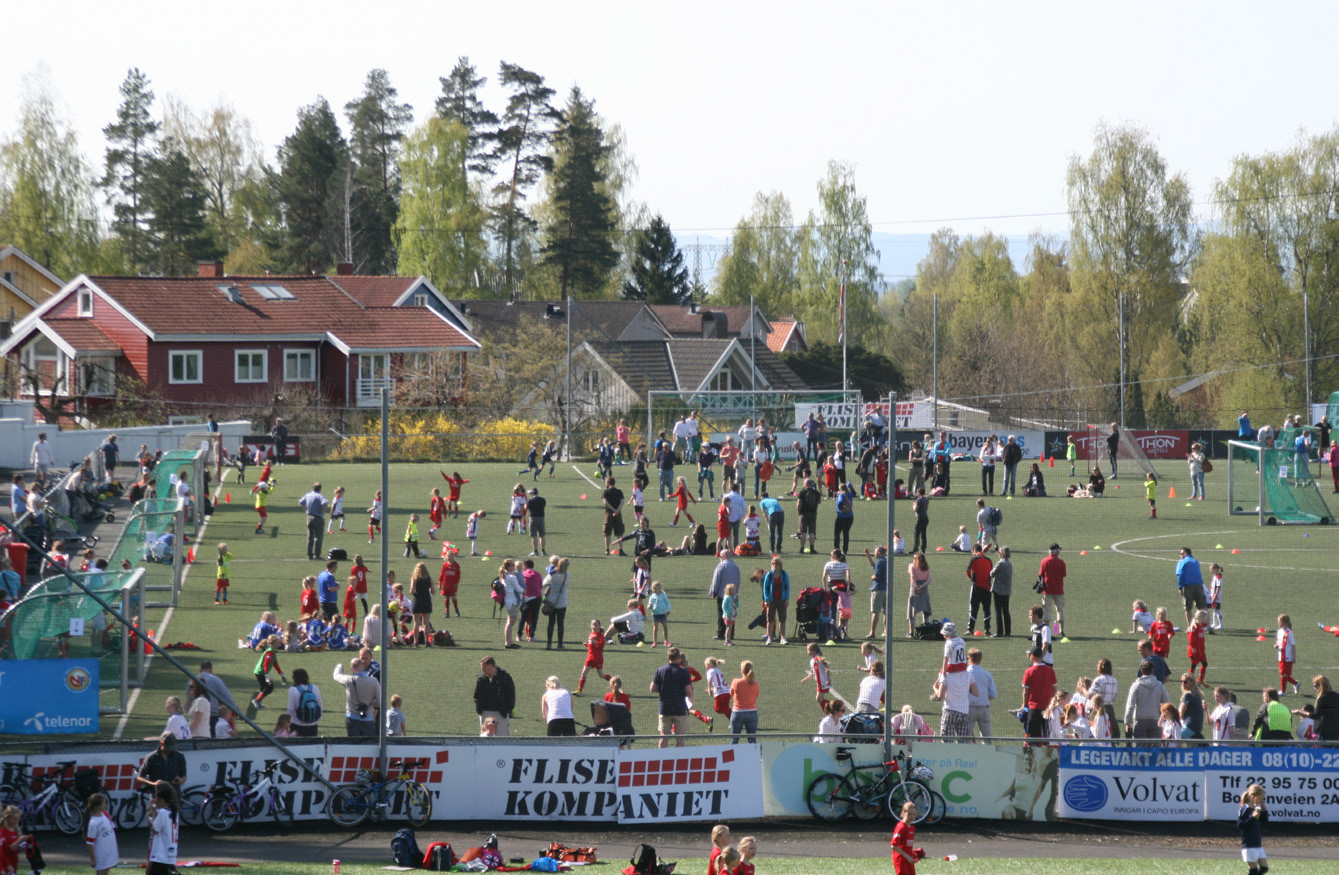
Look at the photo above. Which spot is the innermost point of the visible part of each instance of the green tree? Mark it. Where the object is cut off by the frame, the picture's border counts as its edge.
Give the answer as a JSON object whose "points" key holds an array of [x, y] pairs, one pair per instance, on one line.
{"points": [[377, 124], [131, 146], [439, 232], [310, 186], [521, 147], [460, 102], [838, 241], [578, 242], [658, 272], [874, 374], [1130, 233], [914, 326], [763, 261], [225, 155], [177, 235], [46, 188]]}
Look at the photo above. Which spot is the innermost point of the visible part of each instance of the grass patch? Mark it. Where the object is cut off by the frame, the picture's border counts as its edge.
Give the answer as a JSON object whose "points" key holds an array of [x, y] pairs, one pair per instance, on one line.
{"points": [[1283, 569]]}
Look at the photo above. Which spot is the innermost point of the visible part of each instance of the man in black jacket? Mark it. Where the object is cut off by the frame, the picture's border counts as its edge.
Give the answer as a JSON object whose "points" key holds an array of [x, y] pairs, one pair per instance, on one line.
{"points": [[806, 506], [1013, 454], [494, 695], [164, 764]]}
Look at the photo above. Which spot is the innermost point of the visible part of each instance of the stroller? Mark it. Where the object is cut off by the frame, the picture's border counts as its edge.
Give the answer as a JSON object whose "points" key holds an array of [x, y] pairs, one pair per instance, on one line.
{"points": [[609, 718], [814, 609]]}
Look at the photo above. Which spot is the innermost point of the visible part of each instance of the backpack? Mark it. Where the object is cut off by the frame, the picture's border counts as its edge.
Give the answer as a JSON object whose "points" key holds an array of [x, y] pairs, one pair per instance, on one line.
{"points": [[498, 591], [405, 850], [645, 862], [994, 516], [309, 711], [929, 631], [440, 857], [564, 854]]}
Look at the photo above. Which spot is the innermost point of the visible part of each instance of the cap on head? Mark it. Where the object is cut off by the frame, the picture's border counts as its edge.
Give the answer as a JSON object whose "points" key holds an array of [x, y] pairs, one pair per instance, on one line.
{"points": [[949, 630], [1055, 548]]}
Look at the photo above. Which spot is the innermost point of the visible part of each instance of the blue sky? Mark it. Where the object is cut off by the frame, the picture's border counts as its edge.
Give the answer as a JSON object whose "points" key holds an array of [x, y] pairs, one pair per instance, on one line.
{"points": [[958, 114]]}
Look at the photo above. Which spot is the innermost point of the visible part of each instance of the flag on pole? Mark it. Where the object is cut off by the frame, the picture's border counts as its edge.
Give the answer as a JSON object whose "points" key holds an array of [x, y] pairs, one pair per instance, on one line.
{"points": [[841, 308]]}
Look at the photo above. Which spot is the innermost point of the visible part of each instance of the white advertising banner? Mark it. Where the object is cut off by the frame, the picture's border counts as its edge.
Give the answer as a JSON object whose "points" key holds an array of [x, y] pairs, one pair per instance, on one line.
{"points": [[689, 783], [1300, 784], [540, 782], [837, 416], [1110, 783]]}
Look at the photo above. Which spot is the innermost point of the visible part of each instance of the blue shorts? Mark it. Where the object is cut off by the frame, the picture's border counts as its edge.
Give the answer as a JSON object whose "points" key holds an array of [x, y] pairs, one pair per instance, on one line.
{"points": [[660, 618]]}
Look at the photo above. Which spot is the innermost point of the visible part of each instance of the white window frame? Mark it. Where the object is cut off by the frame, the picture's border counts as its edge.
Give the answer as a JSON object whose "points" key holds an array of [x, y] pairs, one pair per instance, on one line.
{"points": [[104, 367], [185, 356], [420, 299], [298, 355], [723, 381], [250, 353], [85, 301]]}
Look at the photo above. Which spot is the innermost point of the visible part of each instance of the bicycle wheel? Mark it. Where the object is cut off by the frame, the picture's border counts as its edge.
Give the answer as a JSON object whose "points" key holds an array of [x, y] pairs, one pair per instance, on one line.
{"points": [[867, 803], [418, 804], [911, 791], [829, 796], [283, 815], [67, 817], [131, 810], [193, 805], [348, 807], [220, 813], [14, 794], [938, 808]]}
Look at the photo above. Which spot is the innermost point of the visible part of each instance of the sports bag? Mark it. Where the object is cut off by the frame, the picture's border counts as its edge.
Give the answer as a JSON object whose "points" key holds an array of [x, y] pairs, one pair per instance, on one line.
{"points": [[563, 854], [439, 857], [929, 631], [405, 850], [994, 516], [309, 709], [645, 862]]}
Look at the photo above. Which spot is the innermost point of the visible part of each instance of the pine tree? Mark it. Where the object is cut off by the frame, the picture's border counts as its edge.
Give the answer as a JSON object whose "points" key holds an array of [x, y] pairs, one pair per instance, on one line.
{"points": [[310, 185], [460, 103], [578, 243], [521, 148], [132, 145], [177, 235], [377, 125], [658, 272]]}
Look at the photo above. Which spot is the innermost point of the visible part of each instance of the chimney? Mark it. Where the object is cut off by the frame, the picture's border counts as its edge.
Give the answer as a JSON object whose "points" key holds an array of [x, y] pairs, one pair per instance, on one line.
{"points": [[210, 270], [715, 325], [692, 307], [344, 268]]}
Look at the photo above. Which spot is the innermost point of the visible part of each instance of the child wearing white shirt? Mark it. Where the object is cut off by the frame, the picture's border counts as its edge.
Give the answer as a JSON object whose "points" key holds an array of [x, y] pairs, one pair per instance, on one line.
{"points": [[103, 851], [962, 543], [1142, 619]]}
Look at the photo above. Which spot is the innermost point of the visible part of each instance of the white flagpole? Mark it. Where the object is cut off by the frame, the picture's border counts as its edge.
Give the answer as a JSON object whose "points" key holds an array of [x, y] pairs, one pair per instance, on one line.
{"points": [[843, 326]]}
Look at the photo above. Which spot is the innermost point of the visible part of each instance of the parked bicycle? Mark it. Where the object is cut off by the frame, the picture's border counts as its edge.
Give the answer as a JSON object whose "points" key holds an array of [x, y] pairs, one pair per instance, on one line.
{"points": [[48, 799], [859, 793], [222, 810], [372, 796]]}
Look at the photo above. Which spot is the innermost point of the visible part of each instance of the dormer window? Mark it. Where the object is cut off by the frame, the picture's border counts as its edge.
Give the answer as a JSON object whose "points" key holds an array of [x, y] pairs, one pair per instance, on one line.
{"points": [[85, 302]]}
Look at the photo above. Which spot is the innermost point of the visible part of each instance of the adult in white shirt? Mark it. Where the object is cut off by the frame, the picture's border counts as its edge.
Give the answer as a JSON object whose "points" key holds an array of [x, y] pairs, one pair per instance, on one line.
{"points": [[198, 712], [632, 621], [556, 708], [872, 687], [830, 728], [737, 509], [682, 433], [980, 694], [747, 433], [836, 570], [42, 457]]}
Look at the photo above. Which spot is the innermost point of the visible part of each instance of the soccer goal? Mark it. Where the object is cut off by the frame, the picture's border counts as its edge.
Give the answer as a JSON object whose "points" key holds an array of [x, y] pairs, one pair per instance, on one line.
{"points": [[1274, 484], [1127, 449]]}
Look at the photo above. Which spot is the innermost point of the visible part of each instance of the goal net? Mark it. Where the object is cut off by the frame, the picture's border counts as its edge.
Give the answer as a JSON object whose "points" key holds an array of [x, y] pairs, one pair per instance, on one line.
{"points": [[722, 413], [1274, 484], [1127, 450]]}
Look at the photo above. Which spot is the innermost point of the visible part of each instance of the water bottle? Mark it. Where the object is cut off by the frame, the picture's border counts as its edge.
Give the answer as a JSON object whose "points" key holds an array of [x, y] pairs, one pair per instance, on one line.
{"points": [[951, 858], [336, 865]]}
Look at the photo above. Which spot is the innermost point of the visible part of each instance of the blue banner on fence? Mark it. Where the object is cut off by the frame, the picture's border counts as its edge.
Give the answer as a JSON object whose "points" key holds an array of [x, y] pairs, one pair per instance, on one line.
{"points": [[48, 697]]}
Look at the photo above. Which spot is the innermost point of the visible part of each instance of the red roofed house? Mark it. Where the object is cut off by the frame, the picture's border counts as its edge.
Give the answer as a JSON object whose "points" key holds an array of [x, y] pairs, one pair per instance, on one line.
{"points": [[234, 340]]}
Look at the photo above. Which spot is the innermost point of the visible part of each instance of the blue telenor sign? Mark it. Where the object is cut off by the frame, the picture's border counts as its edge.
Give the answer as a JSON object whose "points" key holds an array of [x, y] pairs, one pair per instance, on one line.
{"points": [[48, 696]]}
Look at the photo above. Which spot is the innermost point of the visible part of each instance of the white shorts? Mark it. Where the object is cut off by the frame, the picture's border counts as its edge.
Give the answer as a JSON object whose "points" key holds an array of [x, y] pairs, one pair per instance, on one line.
{"points": [[1252, 855]]}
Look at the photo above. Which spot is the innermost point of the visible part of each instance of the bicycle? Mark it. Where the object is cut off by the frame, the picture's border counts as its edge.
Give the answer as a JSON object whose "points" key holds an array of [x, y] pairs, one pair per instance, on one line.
{"points": [[913, 785], [52, 801], [832, 796], [222, 810], [353, 803]]}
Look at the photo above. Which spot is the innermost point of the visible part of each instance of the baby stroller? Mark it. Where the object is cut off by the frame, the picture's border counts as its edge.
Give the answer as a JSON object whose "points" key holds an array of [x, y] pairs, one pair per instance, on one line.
{"points": [[609, 718], [813, 614]]}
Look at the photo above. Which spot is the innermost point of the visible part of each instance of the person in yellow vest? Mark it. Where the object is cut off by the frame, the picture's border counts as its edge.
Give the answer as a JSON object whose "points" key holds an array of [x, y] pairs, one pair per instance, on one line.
{"points": [[1273, 722], [411, 537]]}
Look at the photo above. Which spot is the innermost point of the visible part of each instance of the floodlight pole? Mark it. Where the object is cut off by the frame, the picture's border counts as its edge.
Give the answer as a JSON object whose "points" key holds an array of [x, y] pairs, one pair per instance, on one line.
{"points": [[1306, 354], [385, 563], [891, 493], [1120, 338], [567, 417], [935, 359]]}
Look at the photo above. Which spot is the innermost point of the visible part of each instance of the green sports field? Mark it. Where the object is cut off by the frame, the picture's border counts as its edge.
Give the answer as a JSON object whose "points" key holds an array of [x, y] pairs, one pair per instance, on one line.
{"points": [[1270, 570]]}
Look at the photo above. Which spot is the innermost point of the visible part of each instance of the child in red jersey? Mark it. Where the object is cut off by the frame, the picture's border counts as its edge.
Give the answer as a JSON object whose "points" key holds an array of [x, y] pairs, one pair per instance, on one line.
{"points": [[695, 676], [594, 655], [311, 602], [359, 573], [820, 671], [1195, 642], [904, 855], [436, 513], [720, 840], [350, 612], [616, 693], [453, 484], [1161, 634], [723, 528], [683, 496], [449, 580], [748, 849]]}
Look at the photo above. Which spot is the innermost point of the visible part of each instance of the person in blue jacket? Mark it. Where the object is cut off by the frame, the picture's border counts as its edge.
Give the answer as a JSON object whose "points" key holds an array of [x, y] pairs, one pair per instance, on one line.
{"points": [[775, 596]]}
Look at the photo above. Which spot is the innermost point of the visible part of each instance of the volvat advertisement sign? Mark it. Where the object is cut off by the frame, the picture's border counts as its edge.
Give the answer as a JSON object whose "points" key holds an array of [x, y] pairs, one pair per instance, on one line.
{"points": [[1301, 784], [1107, 783]]}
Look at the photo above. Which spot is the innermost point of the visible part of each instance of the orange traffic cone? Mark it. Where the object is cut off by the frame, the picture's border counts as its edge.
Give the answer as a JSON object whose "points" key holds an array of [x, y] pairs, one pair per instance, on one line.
{"points": [[1171, 493], [227, 498], [147, 647], [190, 554], [1053, 461], [1041, 457]]}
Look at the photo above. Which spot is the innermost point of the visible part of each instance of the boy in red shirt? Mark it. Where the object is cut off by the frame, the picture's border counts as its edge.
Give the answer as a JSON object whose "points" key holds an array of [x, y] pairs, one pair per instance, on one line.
{"points": [[359, 573], [449, 580], [1161, 633], [1038, 690]]}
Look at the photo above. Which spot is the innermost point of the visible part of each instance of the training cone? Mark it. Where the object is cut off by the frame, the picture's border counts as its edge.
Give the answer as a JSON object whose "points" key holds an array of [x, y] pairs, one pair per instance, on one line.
{"points": [[583, 496], [1053, 461], [147, 647], [939, 549], [1235, 551], [1218, 546], [1064, 640], [1260, 638], [1171, 493], [1097, 547], [1115, 631], [1260, 631], [641, 643], [190, 556], [978, 633], [227, 498]]}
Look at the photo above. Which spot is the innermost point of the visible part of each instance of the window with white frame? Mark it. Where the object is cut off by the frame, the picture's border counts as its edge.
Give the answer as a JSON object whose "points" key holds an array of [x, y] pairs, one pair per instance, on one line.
{"points": [[98, 376], [299, 365], [591, 379], [723, 381], [85, 302], [185, 366], [420, 300], [250, 366]]}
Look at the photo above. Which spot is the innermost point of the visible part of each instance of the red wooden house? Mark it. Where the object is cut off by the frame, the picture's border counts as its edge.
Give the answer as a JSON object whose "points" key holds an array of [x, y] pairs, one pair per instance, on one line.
{"points": [[236, 340]]}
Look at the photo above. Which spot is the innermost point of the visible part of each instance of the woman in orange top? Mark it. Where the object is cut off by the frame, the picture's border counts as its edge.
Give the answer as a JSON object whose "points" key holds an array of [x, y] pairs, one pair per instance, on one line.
{"points": [[744, 704]]}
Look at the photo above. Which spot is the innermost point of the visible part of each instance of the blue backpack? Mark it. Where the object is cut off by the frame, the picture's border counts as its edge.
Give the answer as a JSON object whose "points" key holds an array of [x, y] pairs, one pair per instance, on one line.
{"points": [[309, 709], [405, 850]]}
